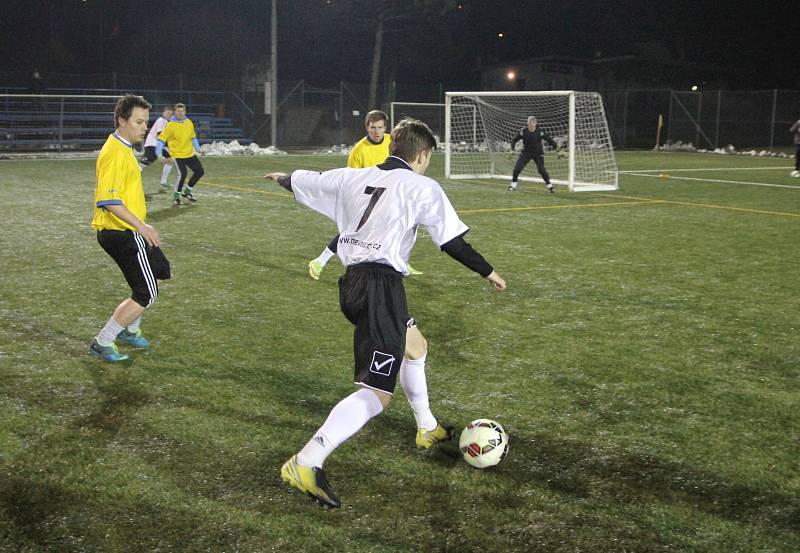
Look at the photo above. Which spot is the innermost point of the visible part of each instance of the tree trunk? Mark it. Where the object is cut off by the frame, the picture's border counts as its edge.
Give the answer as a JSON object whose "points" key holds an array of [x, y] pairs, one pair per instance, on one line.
{"points": [[376, 64]]}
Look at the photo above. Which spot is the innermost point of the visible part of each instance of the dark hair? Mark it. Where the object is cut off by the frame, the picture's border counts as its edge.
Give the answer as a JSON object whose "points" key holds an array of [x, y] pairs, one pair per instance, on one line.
{"points": [[125, 105], [179, 105], [409, 138], [170, 107], [375, 115]]}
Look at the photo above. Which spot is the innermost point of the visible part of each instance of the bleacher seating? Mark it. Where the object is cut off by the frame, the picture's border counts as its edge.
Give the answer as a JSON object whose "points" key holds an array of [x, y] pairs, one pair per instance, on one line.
{"points": [[41, 127]]}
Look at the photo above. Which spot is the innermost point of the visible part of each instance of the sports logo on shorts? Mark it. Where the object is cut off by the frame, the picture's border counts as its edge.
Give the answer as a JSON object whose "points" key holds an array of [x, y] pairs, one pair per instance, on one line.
{"points": [[381, 363]]}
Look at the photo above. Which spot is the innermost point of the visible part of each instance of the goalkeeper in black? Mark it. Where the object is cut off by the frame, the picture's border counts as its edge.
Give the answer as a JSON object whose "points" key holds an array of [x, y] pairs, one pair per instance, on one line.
{"points": [[532, 137]]}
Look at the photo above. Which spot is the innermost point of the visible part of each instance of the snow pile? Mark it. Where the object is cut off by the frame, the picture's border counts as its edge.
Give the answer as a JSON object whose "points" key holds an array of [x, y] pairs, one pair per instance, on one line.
{"points": [[342, 149], [753, 153], [730, 149], [677, 146], [233, 148]]}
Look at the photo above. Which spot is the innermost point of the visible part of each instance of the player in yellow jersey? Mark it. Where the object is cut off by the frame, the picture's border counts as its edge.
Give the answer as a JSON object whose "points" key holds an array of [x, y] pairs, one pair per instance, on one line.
{"points": [[179, 135], [119, 218], [368, 152]]}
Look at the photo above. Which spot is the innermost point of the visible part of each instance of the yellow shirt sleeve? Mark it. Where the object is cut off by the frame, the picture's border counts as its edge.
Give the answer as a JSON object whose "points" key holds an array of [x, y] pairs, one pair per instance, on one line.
{"points": [[110, 184], [355, 159]]}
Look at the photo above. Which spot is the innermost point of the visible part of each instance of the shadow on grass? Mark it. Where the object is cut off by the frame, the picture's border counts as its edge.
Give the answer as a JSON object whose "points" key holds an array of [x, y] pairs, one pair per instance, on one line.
{"points": [[170, 212], [121, 396], [55, 518], [579, 469], [29, 505]]}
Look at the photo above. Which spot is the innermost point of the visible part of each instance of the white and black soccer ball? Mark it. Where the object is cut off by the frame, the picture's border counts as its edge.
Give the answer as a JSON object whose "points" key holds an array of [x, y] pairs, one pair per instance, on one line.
{"points": [[483, 443]]}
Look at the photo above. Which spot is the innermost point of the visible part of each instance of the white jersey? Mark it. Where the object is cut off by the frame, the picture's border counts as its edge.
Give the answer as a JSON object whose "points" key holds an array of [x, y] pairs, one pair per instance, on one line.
{"points": [[378, 210], [155, 130]]}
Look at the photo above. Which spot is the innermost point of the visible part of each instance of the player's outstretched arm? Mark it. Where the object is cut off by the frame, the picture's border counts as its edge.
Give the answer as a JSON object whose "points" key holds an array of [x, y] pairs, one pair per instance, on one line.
{"points": [[496, 281], [274, 176], [281, 178]]}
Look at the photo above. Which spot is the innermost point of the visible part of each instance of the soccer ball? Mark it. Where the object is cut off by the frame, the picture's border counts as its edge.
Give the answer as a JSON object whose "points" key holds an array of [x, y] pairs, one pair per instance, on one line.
{"points": [[483, 443]]}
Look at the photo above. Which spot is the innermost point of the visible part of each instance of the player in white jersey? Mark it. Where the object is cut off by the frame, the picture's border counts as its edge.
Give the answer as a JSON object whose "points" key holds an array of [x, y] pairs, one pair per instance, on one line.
{"points": [[378, 211], [151, 141]]}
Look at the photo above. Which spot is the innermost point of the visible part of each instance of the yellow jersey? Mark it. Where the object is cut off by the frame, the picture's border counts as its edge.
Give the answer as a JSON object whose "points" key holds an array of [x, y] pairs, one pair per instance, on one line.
{"points": [[119, 181], [366, 153], [178, 136]]}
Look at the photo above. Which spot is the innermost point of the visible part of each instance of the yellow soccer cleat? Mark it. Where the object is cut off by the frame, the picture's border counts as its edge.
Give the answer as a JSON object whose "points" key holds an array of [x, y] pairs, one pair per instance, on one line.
{"points": [[309, 480], [315, 269], [412, 270], [426, 438]]}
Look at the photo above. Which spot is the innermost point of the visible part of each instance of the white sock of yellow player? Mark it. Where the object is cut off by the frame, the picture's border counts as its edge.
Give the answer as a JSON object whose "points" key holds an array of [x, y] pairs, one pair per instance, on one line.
{"points": [[109, 332], [325, 256], [412, 379], [134, 326], [345, 419], [165, 173]]}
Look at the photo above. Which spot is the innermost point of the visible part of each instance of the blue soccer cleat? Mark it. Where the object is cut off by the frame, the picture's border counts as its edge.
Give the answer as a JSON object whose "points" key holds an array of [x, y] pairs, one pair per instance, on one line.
{"points": [[136, 339], [107, 353]]}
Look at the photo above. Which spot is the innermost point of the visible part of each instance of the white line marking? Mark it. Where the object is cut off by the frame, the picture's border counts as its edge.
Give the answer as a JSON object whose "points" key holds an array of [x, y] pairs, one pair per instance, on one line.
{"points": [[721, 181], [782, 168]]}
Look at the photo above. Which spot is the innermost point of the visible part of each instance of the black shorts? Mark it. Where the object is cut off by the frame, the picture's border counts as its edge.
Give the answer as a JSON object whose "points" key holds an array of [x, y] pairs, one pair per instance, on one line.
{"points": [[143, 265], [150, 153], [372, 297]]}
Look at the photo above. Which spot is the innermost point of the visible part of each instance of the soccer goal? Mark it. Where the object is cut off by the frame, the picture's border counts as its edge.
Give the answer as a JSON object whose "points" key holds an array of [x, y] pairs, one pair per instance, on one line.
{"points": [[479, 127]]}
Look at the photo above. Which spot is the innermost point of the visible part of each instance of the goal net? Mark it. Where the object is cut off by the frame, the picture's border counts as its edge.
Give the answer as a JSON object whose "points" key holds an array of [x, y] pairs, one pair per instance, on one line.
{"points": [[479, 127]]}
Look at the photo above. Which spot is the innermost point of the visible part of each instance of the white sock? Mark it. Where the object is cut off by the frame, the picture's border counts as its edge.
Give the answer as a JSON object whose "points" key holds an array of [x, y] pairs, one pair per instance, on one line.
{"points": [[412, 379], [165, 173], [344, 420], [109, 332], [325, 256], [513, 184], [177, 176], [134, 326]]}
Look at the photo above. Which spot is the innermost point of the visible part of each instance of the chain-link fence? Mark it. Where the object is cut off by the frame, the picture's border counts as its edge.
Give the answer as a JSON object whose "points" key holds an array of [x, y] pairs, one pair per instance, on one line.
{"points": [[706, 119], [313, 114]]}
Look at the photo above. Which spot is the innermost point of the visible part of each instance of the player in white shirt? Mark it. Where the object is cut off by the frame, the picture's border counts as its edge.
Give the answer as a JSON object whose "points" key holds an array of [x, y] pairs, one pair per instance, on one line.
{"points": [[152, 140], [378, 211]]}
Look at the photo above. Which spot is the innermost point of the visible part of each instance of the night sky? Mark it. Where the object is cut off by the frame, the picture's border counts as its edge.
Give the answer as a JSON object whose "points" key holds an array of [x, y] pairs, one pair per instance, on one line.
{"points": [[324, 41]]}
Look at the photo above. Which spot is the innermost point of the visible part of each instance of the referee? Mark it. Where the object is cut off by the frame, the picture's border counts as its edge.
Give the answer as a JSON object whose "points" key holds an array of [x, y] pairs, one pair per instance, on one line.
{"points": [[119, 215], [532, 150]]}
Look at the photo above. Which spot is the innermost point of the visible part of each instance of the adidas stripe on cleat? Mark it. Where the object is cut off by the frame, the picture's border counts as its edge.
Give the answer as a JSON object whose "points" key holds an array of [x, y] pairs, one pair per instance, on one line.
{"points": [[310, 480], [107, 353], [315, 268], [426, 438]]}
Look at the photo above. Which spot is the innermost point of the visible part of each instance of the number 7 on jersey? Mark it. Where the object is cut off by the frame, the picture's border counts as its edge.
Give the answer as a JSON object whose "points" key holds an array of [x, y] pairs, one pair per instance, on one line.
{"points": [[376, 195]]}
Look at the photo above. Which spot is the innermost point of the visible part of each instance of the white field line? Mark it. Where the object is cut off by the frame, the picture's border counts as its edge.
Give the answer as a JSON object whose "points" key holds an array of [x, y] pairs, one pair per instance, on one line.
{"points": [[666, 177], [782, 168]]}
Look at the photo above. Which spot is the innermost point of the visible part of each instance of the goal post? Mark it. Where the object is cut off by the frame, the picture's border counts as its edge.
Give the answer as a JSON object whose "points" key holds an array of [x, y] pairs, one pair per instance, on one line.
{"points": [[479, 127]]}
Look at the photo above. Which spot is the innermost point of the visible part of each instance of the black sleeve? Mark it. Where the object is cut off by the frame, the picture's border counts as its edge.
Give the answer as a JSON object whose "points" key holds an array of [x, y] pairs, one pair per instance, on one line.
{"points": [[516, 139], [549, 140], [462, 252], [286, 182]]}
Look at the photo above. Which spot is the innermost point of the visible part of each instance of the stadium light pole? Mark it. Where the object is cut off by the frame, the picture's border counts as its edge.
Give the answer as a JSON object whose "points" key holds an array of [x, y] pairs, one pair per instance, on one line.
{"points": [[273, 97]]}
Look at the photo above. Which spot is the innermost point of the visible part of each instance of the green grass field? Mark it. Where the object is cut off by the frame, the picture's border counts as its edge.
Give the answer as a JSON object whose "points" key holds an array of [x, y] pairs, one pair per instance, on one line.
{"points": [[644, 360]]}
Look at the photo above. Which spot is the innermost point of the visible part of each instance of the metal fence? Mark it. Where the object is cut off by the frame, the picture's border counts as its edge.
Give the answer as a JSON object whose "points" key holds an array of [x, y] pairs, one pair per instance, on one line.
{"points": [[707, 119], [313, 114]]}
